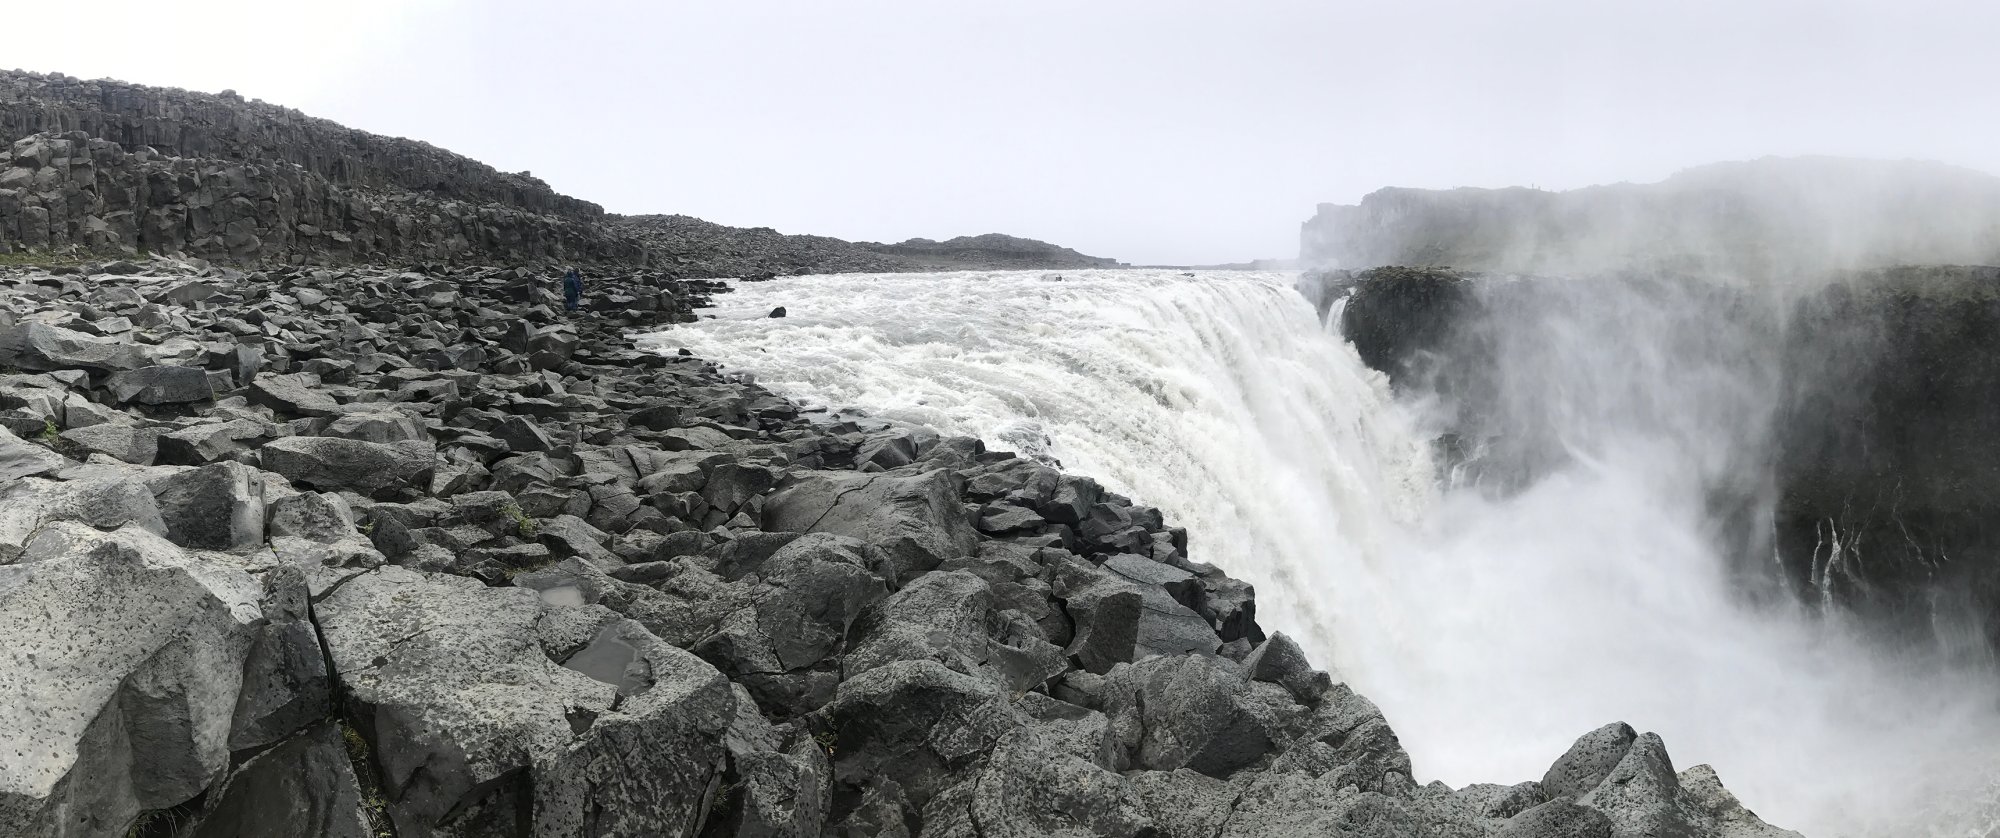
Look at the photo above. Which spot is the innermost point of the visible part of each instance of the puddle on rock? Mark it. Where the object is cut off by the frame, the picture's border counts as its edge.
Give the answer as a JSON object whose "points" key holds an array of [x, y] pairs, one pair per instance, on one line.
{"points": [[610, 659]]}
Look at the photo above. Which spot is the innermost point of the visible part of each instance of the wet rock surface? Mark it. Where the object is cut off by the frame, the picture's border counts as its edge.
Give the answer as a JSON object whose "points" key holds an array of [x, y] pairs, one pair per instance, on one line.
{"points": [[1876, 412], [430, 557]]}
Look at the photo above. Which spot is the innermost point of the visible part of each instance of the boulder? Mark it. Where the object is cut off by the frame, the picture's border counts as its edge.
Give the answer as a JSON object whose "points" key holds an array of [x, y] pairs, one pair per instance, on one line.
{"points": [[138, 446], [952, 618], [1190, 711], [331, 464], [1029, 789], [1121, 620], [914, 724], [34, 345], [20, 458], [298, 394], [215, 507], [478, 726], [123, 661], [917, 519], [302, 786], [107, 503], [158, 385]]}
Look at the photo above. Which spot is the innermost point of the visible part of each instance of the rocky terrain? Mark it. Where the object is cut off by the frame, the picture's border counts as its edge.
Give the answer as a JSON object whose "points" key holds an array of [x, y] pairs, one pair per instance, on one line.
{"points": [[686, 246], [1769, 219], [369, 552], [320, 517], [1868, 433]]}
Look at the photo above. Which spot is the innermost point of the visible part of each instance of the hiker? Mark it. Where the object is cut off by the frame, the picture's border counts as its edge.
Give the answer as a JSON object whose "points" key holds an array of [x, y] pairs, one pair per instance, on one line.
{"points": [[572, 290]]}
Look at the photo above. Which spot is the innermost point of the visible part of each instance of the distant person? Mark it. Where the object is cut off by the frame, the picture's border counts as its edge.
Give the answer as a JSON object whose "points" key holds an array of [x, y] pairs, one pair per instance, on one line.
{"points": [[572, 290]]}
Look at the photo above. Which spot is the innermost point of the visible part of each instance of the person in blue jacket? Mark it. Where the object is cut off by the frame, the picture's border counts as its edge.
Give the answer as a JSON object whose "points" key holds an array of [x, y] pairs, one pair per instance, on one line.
{"points": [[572, 290]]}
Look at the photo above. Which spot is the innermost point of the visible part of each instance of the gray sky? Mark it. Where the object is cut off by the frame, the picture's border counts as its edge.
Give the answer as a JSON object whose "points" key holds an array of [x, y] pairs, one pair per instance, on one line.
{"points": [[1148, 130]]}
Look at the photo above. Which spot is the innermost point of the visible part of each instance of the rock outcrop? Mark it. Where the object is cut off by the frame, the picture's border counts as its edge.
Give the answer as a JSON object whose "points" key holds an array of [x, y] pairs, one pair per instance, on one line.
{"points": [[425, 556]]}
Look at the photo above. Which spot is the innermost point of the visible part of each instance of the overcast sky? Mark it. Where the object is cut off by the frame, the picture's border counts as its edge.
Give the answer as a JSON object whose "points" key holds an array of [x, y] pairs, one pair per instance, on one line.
{"points": [[1150, 130]]}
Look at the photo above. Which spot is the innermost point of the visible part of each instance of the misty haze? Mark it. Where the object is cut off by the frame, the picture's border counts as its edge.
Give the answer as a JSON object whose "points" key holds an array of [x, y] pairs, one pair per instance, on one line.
{"points": [[1148, 420]]}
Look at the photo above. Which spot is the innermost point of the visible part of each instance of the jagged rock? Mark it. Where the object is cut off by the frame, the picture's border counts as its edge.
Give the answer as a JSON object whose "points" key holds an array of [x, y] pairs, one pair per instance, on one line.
{"points": [[380, 426], [522, 434], [780, 788], [806, 596], [208, 442], [1184, 803], [1120, 620], [325, 518], [1190, 711], [331, 464]]}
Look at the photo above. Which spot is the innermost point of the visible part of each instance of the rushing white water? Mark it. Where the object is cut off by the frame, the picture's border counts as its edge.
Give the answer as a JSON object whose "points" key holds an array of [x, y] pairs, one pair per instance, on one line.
{"points": [[1491, 632]]}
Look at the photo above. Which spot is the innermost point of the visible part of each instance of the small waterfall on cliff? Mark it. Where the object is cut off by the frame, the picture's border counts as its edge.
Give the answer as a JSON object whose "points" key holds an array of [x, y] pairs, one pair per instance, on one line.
{"points": [[1492, 631]]}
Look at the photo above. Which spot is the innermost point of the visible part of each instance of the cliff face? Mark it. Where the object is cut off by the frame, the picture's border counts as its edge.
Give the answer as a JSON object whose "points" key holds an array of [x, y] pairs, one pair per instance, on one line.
{"points": [[1764, 218], [1854, 427], [106, 167], [225, 127]]}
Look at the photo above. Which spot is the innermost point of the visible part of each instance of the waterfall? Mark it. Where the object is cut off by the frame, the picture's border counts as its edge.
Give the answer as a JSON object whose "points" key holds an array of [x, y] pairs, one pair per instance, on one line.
{"points": [[1492, 630]]}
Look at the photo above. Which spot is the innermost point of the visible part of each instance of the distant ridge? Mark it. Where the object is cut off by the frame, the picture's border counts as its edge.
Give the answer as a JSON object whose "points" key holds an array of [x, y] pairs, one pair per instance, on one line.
{"points": [[690, 247]]}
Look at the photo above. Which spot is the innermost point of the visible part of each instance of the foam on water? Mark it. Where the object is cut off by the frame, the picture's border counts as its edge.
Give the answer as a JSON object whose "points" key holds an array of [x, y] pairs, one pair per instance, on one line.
{"points": [[1491, 632]]}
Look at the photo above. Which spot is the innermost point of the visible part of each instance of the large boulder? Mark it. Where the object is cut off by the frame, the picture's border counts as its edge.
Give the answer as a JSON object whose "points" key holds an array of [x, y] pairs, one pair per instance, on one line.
{"points": [[158, 385], [802, 601], [124, 658], [1029, 789], [298, 394], [916, 518], [330, 464], [216, 507], [34, 345], [20, 458], [953, 618], [503, 710], [302, 786], [107, 503]]}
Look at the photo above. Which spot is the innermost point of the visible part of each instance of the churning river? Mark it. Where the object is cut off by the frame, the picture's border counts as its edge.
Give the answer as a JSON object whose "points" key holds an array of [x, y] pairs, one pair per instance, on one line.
{"points": [[1492, 632]]}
